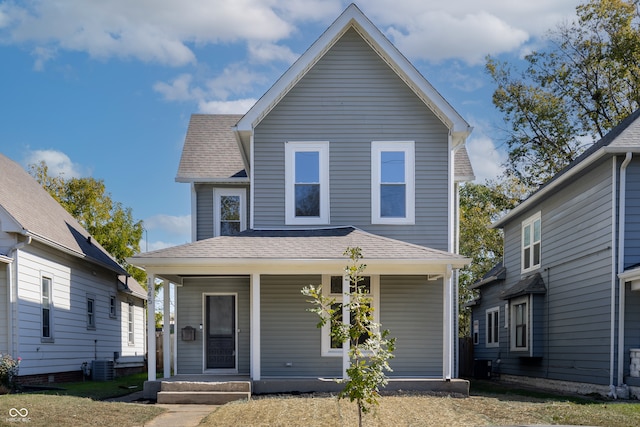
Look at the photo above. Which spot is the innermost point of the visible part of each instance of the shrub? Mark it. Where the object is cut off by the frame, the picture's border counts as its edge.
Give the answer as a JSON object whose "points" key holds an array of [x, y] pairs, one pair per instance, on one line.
{"points": [[8, 371]]}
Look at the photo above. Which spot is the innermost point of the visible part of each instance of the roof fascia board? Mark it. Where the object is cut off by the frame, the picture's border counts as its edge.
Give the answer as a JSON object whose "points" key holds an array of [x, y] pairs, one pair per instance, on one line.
{"points": [[353, 17], [6, 259], [540, 194]]}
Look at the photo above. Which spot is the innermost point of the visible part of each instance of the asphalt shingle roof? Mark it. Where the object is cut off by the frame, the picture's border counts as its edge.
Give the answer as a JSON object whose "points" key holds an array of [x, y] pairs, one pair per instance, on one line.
{"points": [[40, 215], [210, 149], [316, 244]]}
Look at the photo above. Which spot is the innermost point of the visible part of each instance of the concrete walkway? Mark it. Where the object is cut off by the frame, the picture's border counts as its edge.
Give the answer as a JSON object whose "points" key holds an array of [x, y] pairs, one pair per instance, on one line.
{"points": [[175, 416]]}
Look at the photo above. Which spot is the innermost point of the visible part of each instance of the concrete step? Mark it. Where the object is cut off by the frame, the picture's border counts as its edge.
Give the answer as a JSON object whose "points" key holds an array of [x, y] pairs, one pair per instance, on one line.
{"points": [[223, 386], [201, 397]]}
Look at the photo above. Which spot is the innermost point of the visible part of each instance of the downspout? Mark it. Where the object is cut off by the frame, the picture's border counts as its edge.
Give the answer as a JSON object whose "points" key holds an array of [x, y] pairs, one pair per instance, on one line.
{"points": [[621, 296], [12, 291]]}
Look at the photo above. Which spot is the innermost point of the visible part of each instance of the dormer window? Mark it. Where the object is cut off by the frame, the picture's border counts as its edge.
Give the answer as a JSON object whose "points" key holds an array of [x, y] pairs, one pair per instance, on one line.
{"points": [[307, 183]]}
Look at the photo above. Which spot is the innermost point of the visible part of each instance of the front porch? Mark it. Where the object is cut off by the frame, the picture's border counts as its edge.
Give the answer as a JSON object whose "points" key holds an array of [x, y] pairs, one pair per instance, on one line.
{"points": [[220, 383]]}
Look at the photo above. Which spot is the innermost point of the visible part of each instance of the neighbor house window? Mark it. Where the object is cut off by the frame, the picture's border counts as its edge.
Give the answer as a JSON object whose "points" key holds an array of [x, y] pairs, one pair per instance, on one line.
{"points": [[332, 288], [531, 238], [112, 306], [131, 323], [392, 182], [307, 182], [91, 312], [520, 323], [47, 308], [229, 208], [493, 327]]}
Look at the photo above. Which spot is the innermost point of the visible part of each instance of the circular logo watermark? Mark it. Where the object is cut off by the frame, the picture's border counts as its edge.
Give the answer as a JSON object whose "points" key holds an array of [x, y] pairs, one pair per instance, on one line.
{"points": [[18, 415]]}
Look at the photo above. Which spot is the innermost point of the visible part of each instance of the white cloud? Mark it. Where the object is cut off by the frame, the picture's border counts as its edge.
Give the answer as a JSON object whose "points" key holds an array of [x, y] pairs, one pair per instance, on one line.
{"points": [[170, 224], [263, 52], [238, 106], [58, 163], [486, 160], [157, 245]]}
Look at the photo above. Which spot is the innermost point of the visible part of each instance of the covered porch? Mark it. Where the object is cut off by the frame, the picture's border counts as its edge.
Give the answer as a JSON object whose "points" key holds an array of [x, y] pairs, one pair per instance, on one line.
{"points": [[275, 345]]}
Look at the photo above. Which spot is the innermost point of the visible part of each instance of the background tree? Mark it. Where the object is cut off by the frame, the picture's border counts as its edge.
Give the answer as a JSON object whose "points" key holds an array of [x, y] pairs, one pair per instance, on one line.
{"points": [[369, 348], [480, 206], [110, 223], [572, 93]]}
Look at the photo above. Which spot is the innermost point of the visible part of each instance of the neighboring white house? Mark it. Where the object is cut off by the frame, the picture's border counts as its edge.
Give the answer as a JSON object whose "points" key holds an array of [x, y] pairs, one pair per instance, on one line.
{"points": [[64, 300]]}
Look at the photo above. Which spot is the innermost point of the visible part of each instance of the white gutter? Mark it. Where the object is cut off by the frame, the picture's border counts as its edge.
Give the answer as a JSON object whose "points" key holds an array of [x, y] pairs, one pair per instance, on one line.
{"points": [[12, 293], [621, 230]]}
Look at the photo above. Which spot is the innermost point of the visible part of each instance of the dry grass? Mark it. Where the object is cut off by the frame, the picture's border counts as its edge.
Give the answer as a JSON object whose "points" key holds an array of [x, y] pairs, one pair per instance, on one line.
{"points": [[424, 410], [53, 411]]}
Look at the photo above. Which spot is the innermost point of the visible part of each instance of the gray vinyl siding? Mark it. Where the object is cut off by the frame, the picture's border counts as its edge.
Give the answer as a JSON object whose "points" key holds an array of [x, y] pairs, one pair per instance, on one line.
{"points": [[573, 326], [289, 333], [490, 299], [205, 205], [411, 309], [189, 312], [632, 223], [351, 98]]}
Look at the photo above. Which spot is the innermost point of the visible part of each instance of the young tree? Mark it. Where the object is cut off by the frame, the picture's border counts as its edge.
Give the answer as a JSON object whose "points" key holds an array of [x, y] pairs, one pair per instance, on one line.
{"points": [[111, 224], [574, 92], [369, 349]]}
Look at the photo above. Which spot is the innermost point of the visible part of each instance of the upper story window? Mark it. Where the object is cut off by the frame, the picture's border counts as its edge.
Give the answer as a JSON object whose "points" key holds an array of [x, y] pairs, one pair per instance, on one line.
{"points": [[307, 183], [392, 182], [229, 208], [91, 312], [112, 306], [531, 239]]}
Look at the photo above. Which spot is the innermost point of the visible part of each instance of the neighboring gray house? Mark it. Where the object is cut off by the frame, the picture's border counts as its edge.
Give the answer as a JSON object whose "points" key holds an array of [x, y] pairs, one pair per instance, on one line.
{"points": [[63, 299], [564, 308], [350, 147]]}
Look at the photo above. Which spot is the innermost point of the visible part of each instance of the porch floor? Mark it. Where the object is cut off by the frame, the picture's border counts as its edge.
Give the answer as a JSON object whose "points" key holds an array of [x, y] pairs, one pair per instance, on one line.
{"points": [[309, 385]]}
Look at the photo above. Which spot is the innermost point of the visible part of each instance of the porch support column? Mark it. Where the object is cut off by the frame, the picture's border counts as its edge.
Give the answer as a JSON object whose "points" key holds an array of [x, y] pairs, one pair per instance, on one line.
{"points": [[447, 330], [166, 329], [151, 329], [346, 316], [254, 285]]}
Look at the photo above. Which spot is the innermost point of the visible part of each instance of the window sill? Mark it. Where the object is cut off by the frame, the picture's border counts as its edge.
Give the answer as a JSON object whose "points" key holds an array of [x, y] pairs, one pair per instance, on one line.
{"points": [[47, 340]]}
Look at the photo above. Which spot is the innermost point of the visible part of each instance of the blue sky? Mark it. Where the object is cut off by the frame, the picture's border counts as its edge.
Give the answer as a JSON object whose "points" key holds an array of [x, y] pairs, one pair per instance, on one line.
{"points": [[106, 88]]}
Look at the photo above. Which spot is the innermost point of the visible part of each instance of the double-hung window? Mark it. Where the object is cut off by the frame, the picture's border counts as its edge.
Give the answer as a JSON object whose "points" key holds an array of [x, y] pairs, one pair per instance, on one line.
{"points": [[91, 312], [392, 182], [332, 288], [520, 323], [531, 240], [113, 313], [229, 208], [493, 327], [46, 285], [307, 183], [131, 324]]}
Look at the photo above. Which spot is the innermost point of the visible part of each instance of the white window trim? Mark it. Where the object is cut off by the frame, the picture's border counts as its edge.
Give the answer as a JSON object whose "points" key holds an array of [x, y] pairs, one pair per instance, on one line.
{"points": [[220, 192], [408, 147], [50, 338], [512, 334], [131, 323], [494, 311], [291, 147], [325, 341], [529, 222]]}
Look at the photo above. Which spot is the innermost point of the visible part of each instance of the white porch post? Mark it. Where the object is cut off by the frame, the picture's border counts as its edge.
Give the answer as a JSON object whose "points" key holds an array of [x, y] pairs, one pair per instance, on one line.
{"points": [[447, 330], [166, 329], [346, 318], [255, 326], [151, 329]]}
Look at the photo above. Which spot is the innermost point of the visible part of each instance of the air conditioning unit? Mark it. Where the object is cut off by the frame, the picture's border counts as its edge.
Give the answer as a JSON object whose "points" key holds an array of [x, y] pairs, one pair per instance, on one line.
{"points": [[102, 370]]}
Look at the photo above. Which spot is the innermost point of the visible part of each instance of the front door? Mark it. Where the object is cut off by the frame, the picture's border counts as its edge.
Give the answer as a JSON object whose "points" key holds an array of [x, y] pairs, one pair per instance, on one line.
{"points": [[221, 332]]}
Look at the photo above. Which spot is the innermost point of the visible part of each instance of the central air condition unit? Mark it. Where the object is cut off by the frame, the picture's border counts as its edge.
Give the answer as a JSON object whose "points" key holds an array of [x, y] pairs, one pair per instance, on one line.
{"points": [[102, 370]]}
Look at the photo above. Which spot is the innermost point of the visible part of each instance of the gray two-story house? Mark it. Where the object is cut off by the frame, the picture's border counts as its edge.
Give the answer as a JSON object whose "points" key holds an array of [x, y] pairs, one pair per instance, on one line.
{"points": [[562, 309], [351, 147]]}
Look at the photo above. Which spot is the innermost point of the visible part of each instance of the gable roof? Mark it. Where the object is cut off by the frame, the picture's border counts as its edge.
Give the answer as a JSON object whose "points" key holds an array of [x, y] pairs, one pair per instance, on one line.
{"points": [[291, 249], [211, 152], [352, 17], [623, 138], [34, 213]]}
